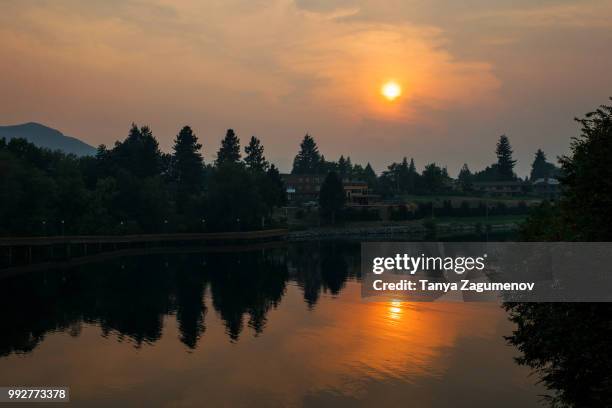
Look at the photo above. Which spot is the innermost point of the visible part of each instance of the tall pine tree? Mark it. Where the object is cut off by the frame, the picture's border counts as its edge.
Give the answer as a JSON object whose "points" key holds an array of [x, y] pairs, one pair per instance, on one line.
{"points": [[308, 159], [505, 163], [369, 176], [540, 168], [343, 171], [254, 158], [331, 196], [230, 149], [412, 177], [187, 162], [465, 178], [139, 153]]}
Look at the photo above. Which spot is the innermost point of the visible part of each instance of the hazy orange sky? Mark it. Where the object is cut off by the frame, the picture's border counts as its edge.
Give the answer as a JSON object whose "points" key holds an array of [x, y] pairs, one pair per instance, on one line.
{"points": [[469, 70]]}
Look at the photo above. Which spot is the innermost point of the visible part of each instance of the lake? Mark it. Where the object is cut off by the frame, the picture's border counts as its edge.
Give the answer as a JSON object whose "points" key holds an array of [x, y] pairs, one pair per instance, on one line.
{"points": [[268, 325]]}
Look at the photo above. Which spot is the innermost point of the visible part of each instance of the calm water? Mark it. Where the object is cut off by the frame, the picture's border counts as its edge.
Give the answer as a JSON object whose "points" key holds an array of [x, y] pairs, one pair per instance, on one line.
{"points": [[265, 327]]}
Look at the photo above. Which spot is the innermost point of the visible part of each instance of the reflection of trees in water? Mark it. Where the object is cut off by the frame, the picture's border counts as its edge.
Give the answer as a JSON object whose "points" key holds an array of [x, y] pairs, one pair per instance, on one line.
{"points": [[324, 265], [131, 301], [29, 308], [304, 262], [569, 346], [190, 307], [245, 284], [129, 297]]}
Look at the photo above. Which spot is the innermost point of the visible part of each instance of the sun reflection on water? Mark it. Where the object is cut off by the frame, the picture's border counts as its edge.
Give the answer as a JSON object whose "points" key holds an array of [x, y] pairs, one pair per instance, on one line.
{"points": [[395, 310]]}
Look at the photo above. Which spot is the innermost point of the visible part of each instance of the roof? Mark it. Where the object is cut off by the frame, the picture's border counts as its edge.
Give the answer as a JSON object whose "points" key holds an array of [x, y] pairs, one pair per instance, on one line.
{"points": [[550, 181], [498, 183]]}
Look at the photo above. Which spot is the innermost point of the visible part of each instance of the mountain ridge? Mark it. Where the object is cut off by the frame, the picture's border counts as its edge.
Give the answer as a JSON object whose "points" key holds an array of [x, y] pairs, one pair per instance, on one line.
{"points": [[45, 136]]}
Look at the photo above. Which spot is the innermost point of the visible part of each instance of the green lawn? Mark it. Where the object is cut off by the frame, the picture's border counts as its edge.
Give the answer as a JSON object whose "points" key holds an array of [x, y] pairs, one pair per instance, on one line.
{"points": [[492, 219], [473, 200]]}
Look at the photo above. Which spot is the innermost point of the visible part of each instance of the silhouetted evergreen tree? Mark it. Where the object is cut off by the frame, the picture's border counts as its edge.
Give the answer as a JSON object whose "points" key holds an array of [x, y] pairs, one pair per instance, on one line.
{"points": [[139, 153], [541, 168], [327, 166], [308, 160], [358, 172], [273, 190], [331, 196], [187, 162], [412, 178], [465, 178], [343, 168], [349, 168], [490, 173], [369, 176], [187, 176], [254, 158], [233, 201], [505, 163], [229, 152], [433, 178]]}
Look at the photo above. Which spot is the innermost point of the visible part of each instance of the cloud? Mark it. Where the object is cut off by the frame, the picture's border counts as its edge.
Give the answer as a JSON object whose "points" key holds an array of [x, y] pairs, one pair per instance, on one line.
{"points": [[470, 71]]}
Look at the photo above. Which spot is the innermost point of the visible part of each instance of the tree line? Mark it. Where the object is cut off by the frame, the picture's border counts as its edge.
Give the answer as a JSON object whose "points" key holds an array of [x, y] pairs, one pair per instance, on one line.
{"points": [[567, 344], [134, 187], [404, 178]]}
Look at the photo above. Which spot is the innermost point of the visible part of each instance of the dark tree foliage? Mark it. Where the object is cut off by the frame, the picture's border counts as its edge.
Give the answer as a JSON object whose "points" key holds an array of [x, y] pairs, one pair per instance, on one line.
{"points": [[273, 189], [489, 173], [325, 166], [540, 168], [345, 168], [140, 199], [254, 159], [187, 175], [568, 344], [187, 162], [139, 153], [233, 202], [133, 188], [369, 176], [543, 223], [434, 179], [505, 163], [308, 160], [503, 170], [38, 189], [584, 212], [465, 178], [587, 179], [412, 177], [399, 178], [229, 152], [331, 196]]}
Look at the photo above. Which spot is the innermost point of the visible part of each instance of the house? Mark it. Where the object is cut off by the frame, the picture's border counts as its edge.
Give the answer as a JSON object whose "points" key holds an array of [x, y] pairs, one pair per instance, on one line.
{"points": [[303, 188], [358, 193], [500, 188], [547, 187]]}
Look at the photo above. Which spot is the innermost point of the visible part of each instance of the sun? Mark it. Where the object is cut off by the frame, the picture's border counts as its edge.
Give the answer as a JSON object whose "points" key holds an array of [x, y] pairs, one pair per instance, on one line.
{"points": [[391, 90]]}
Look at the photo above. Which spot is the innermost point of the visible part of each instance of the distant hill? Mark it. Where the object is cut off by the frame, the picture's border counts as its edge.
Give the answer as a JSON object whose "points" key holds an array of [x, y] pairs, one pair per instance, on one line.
{"points": [[44, 136]]}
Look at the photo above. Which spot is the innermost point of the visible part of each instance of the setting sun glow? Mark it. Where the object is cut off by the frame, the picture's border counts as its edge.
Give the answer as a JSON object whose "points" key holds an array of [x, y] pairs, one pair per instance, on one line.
{"points": [[391, 90]]}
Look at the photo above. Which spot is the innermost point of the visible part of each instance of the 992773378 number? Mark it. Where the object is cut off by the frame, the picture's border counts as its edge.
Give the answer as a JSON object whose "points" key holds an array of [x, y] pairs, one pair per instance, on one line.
{"points": [[33, 394]]}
